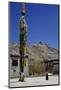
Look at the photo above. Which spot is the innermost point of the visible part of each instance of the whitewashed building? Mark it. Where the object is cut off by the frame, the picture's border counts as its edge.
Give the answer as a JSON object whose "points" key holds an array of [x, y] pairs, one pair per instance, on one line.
{"points": [[14, 66]]}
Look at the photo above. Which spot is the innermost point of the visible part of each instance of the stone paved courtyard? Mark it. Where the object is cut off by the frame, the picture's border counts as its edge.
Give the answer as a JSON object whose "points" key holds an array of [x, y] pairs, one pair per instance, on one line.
{"points": [[32, 81]]}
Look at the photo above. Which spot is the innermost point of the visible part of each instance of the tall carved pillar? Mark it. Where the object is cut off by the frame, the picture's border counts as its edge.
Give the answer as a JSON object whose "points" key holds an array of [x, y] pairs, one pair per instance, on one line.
{"points": [[23, 37]]}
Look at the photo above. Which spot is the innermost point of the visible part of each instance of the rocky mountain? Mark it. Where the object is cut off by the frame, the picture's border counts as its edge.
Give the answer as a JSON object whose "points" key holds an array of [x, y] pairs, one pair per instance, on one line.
{"points": [[36, 52]]}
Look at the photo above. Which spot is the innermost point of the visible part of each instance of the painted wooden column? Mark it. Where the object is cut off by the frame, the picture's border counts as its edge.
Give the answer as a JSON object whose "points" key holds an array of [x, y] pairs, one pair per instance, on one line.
{"points": [[23, 37]]}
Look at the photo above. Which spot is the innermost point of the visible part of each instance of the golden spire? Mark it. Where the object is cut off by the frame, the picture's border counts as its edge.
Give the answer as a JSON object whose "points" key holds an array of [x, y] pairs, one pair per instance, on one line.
{"points": [[23, 8]]}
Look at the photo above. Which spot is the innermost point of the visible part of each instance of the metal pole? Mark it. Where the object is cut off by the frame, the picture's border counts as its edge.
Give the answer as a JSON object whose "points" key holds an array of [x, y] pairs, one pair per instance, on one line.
{"points": [[47, 70]]}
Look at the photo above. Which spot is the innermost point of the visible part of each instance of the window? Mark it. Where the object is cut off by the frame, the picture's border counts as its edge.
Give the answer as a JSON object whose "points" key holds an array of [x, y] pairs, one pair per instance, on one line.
{"points": [[14, 62]]}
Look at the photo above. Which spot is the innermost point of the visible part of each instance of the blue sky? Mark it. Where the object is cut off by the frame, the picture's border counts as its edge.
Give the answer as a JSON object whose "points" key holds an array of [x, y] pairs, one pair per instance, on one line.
{"points": [[42, 23]]}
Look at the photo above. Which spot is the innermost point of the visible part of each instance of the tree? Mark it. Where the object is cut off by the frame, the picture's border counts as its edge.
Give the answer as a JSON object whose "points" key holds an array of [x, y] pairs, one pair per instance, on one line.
{"points": [[37, 67]]}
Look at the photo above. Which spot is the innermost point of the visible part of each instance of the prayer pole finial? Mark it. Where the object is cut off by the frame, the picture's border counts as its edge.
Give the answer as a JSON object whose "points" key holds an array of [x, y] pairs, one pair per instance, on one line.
{"points": [[23, 8]]}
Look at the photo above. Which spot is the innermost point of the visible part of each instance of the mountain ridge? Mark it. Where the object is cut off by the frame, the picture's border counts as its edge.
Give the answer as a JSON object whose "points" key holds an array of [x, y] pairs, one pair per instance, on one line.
{"points": [[36, 51]]}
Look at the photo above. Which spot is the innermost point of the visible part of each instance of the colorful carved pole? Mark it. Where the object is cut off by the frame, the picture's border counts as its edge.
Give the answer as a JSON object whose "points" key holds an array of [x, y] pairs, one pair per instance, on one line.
{"points": [[23, 36]]}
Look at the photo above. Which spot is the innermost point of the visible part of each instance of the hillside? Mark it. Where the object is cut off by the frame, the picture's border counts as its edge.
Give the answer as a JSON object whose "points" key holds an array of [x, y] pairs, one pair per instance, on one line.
{"points": [[36, 52]]}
